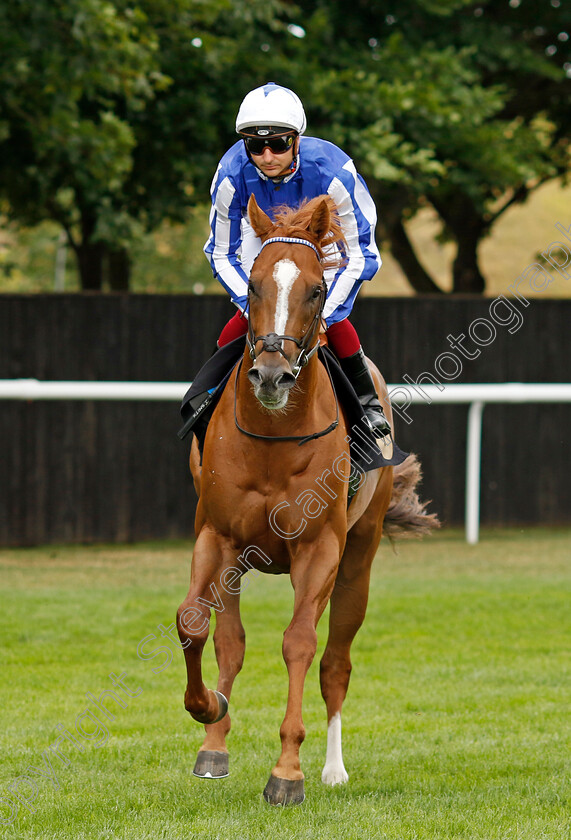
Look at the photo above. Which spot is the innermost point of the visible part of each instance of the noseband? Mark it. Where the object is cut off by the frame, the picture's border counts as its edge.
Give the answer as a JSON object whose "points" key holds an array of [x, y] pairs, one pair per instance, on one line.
{"points": [[272, 342]]}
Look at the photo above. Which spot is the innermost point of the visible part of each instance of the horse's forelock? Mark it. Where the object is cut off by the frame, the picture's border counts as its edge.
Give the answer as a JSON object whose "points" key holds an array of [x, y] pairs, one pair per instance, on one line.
{"points": [[295, 222]]}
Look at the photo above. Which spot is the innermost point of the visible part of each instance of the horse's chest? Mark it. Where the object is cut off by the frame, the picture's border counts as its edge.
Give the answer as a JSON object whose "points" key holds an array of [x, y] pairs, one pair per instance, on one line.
{"points": [[270, 504], [236, 495]]}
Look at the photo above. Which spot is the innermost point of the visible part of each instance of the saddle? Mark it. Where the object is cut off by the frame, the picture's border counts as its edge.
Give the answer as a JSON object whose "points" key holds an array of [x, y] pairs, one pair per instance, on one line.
{"points": [[201, 398]]}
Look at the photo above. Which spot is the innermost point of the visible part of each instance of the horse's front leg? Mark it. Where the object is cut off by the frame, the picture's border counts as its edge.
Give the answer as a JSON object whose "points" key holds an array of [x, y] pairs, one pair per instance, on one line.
{"points": [[313, 574], [193, 624], [229, 644]]}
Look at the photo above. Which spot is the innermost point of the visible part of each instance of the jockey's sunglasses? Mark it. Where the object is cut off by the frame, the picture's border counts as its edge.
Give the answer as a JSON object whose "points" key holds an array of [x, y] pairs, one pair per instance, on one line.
{"points": [[278, 145]]}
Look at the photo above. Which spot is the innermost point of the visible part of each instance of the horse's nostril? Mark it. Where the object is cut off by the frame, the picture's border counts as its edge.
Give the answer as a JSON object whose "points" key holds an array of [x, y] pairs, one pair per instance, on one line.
{"points": [[254, 376], [271, 378], [285, 380]]}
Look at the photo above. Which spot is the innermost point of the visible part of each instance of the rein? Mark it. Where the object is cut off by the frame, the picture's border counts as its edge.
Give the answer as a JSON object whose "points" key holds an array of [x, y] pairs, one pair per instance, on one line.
{"points": [[271, 343]]}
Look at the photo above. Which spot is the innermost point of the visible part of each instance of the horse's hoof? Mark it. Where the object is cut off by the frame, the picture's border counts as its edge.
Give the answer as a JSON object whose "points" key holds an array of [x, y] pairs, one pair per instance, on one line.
{"points": [[211, 764], [284, 791]]}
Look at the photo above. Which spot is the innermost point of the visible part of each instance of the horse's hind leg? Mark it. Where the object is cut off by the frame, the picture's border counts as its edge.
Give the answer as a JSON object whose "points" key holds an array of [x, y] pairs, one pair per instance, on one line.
{"points": [[347, 612], [229, 644]]}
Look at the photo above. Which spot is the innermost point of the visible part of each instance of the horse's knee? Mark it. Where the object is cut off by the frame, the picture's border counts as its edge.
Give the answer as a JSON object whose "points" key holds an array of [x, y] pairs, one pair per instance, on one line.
{"points": [[192, 623], [335, 664], [300, 643]]}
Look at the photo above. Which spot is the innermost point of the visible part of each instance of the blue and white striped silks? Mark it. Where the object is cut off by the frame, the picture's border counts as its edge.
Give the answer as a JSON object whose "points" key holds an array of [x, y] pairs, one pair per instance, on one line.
{"points": [[322, 168]]}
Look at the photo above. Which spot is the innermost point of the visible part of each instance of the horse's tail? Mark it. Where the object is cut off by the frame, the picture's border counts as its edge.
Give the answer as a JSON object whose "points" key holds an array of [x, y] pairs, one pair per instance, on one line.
{"points": [[406, 515]]}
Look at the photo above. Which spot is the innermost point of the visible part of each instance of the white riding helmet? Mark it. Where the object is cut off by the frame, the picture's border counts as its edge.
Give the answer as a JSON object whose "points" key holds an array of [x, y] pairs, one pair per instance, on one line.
{"points": [[271, 105]]}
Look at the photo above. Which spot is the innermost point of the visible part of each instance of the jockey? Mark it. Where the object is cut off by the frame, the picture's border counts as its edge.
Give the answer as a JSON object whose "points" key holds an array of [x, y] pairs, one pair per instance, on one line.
{"points": [[279, 166]]}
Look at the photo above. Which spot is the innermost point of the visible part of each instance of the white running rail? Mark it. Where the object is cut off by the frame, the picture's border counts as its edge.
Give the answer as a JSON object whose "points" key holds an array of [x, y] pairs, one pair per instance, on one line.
{"points": [[476, 396]]}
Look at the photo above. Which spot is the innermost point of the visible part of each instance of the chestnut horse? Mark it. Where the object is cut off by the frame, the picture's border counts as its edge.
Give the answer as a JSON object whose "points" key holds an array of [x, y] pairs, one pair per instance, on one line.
{"points": [[277, 436]]}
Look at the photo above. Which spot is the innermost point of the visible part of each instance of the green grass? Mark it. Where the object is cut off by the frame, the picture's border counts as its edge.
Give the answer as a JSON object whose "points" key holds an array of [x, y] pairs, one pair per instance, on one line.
{"points": [[456, 724]]}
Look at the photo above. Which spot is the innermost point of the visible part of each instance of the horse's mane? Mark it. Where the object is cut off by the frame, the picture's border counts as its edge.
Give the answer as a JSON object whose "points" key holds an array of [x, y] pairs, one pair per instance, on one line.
{"points": [[294, 221]]}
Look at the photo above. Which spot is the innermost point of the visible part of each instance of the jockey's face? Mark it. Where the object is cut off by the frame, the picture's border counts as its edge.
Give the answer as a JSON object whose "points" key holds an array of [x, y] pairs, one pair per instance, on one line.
{"points": [[275, 165]]}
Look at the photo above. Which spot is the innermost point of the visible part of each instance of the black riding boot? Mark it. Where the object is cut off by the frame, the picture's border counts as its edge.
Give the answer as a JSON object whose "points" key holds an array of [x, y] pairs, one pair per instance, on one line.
{"points": [[357, 372]]}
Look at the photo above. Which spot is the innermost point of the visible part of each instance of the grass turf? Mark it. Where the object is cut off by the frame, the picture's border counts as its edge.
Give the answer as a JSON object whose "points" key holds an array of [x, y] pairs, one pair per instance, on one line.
{"points": [[456, 724]]}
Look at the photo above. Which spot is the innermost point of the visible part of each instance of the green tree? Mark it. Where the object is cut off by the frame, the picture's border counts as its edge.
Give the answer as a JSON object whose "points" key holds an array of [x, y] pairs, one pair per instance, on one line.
{"points": [[522, 50], [458, 104], [211, 53], [112, 114], [65, 146]]}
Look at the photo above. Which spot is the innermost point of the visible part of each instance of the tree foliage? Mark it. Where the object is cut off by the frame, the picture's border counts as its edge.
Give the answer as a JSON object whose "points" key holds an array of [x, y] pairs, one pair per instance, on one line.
{"points": [[72, 73], [462, 105], [113, 114]]}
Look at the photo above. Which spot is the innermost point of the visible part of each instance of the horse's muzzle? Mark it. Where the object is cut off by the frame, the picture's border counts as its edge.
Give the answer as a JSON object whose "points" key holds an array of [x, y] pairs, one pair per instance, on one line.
{"points": [[271, 384]]}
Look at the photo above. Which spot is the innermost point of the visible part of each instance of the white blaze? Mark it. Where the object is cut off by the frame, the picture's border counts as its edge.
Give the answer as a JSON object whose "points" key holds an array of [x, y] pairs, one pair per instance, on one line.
{"points": [[286, 273]]}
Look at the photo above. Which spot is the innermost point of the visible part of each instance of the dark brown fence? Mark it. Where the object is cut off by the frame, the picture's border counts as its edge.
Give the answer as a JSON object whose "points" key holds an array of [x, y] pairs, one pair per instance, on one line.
{"points": [[73, 471]]}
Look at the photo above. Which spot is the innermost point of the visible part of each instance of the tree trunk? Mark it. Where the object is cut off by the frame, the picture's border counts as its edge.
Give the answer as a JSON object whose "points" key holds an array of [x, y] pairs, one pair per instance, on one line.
{"points": [[391, 202], [89, 256], [404, 254], [467, 276], [119, 270], [90, 263], [467, 227]]}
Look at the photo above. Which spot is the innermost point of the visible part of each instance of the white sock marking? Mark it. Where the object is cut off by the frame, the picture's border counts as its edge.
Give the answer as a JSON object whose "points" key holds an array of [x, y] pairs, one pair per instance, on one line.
{"points": [[334, 772], [286, 273]]}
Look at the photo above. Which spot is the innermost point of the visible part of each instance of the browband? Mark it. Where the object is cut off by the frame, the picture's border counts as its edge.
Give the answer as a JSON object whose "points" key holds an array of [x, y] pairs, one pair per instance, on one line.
{"points": [[292, 240]]}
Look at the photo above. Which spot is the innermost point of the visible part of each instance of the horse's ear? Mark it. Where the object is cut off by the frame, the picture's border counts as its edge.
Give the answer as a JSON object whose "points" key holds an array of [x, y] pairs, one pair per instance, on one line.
{"points": [[260, 221], [320, 223]]}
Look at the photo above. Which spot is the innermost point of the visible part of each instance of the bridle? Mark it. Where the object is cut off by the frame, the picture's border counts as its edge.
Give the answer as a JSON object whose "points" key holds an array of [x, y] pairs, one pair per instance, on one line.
{"points": [[272, 342]]}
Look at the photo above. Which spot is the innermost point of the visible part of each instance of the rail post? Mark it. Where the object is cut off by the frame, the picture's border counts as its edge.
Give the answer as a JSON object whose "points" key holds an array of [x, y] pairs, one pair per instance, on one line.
{"points": [[473, 471]]}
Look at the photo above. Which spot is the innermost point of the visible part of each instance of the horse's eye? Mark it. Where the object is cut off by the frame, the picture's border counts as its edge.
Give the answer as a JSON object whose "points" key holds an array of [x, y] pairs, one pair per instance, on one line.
{"points": [[251, 289], [316, 293]]}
